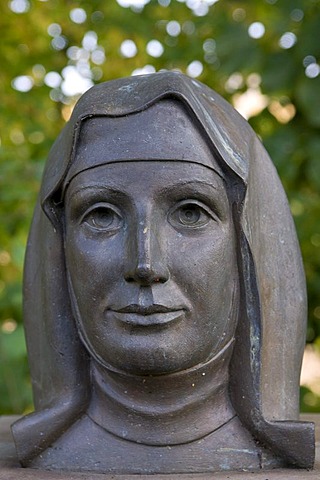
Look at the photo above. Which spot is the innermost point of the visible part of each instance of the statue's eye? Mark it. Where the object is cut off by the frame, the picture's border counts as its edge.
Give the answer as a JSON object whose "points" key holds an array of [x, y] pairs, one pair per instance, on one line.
{"points": [[190, 214], [103, 217]]}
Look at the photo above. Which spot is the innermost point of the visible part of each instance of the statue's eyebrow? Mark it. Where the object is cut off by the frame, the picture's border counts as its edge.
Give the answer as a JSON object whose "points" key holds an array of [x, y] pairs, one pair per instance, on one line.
{"points": [[96, 189], [190, 187], [188, 183]]}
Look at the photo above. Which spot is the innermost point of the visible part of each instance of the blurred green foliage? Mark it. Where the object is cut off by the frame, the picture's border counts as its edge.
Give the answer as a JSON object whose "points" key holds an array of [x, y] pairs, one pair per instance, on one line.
{"points": [[263, 55]]}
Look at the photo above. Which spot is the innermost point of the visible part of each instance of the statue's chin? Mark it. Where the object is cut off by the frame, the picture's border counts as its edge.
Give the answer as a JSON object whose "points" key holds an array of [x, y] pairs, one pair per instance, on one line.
{"points": [[148, 356], [154, 344]]}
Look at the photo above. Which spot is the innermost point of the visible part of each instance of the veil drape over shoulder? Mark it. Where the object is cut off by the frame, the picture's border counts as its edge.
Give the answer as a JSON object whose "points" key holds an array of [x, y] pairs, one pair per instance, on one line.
{"points": [[270, 337]]}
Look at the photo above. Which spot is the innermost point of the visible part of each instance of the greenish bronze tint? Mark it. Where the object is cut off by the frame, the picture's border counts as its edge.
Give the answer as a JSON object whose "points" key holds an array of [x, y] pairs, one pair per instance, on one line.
{"points": [[164, 291]]}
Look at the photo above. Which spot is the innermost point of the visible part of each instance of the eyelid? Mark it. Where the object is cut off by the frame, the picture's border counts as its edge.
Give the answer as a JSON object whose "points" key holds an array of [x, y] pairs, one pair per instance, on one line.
{"points": [[98, 205], [199, 203], [206, 216]]}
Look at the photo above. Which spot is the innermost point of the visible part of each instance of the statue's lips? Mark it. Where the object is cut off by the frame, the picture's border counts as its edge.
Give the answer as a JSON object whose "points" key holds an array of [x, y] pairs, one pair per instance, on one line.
{"points": [[152, 315]]}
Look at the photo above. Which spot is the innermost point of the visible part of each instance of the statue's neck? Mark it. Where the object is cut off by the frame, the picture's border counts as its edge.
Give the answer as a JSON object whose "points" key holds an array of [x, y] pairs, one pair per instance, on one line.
{"points": [[163, 409]]}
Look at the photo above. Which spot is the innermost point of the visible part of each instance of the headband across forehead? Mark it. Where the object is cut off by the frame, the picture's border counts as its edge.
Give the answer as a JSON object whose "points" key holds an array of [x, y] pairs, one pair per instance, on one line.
{"points": [[265, 367], [163, 132]]}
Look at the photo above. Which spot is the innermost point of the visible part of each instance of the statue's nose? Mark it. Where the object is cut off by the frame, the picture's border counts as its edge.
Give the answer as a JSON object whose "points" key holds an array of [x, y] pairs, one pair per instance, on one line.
{"points": [[146, 262]]}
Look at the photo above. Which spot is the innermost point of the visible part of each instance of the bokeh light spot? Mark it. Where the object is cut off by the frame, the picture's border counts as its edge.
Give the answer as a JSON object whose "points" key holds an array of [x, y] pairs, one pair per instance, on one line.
{"points": [[97, 16], [128, 48], [200, 8], [146, 70], [98, 56], [59, 42], [23, 83], [209, 45], [308, 60], [17, 137], [154, 48], [297, 15], [5, 258], [173, 28], [78, 15], [283, 113], [132, 3], [73, 82], [38, 71], [239, 14], [19, 6], [312, 70], [36, 137], [256, 30], [54, 30], [53, 79], [287, 40], [188, 27], [234, 82], [194, 69], [90, 41], [9, 325]]}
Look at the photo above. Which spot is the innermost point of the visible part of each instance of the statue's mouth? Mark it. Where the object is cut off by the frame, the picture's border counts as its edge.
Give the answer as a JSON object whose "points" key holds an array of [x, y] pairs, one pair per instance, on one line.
{"points": [[146, 310], [146, 316]]}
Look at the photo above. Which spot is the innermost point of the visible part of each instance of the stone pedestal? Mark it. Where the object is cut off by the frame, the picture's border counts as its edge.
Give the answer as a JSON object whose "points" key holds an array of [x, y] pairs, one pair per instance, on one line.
{"points": [[10, 469]]}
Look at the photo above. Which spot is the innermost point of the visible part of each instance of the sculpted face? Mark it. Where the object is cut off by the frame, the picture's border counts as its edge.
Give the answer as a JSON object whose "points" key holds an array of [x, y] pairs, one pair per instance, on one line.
{"points": [[150, 251], [153, 268]]}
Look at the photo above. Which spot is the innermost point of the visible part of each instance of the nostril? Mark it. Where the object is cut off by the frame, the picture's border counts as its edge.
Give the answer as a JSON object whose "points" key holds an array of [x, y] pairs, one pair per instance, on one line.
{"points": [[129, 279], [160, 280]]}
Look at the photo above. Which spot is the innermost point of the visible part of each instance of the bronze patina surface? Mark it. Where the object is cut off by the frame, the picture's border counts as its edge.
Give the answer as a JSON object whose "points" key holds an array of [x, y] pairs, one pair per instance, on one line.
{"points": [[165, 306]]}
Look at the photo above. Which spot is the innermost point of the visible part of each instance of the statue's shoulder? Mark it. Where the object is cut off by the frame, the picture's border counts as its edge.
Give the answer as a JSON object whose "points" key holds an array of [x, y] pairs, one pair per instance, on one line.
{"points": [[88, 447]]}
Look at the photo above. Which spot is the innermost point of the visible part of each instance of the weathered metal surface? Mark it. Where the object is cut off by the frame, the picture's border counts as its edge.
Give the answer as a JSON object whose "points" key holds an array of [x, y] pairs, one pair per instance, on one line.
{"points": [[164, 292]]}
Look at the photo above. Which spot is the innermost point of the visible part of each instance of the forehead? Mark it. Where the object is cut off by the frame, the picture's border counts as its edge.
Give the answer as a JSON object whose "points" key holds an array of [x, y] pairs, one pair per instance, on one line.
{"points": [[143, 179], [164, 131]]}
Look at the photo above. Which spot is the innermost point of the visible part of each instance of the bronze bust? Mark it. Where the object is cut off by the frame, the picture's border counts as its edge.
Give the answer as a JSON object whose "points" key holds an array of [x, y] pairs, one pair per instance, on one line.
{"points": [[164, 291]]}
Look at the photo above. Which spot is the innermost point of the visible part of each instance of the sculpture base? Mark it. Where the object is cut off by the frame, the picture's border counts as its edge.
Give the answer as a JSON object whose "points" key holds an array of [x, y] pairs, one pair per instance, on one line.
{"points": [[11, 470]]}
